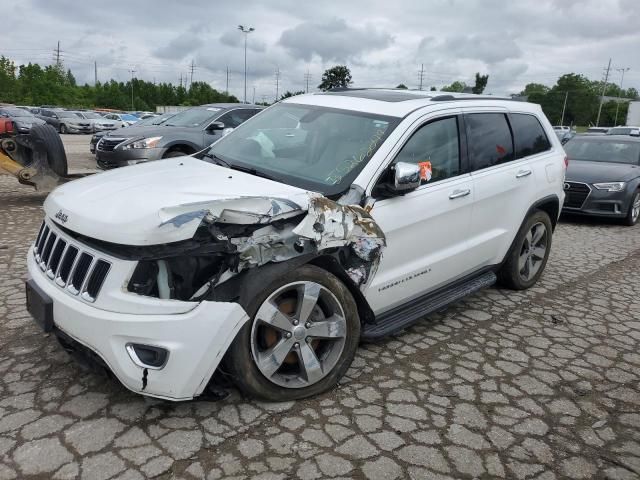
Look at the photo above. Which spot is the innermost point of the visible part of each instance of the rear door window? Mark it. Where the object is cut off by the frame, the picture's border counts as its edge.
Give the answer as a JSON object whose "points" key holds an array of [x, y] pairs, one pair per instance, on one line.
{"points": [[489, 140], [528, 134]]}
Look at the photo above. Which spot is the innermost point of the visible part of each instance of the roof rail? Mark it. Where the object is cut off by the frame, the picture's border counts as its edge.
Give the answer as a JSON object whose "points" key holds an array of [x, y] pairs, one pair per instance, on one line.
{"points": [[452, 98]]}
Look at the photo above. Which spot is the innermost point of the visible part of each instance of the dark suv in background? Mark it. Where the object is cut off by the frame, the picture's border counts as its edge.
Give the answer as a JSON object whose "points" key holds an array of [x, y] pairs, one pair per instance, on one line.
{"points": [[185, 133]]}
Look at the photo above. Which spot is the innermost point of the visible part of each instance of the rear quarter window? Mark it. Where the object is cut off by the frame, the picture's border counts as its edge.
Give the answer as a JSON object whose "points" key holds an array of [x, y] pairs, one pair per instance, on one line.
{"points": [[528, 134]]}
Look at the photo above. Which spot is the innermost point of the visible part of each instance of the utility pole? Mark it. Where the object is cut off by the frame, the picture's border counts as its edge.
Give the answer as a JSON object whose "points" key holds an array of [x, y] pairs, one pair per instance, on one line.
{"points": [[421, 75], [193, 67], [227, 90], [95, 73], [564, 106], [246, 32], [277, 83], [622, 71], [180, 79], [604, 89], [132, 72], [264, 99], [57, 51], [307, 77], [254, 95]]}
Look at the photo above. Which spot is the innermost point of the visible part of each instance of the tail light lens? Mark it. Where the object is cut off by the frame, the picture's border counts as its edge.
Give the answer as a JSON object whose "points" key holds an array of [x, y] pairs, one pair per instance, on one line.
{"points": [[566, 161]]}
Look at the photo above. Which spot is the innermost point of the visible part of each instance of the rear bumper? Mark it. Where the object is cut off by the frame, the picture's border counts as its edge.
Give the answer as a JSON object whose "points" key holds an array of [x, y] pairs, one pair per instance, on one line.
{"points": [[196, 339]]}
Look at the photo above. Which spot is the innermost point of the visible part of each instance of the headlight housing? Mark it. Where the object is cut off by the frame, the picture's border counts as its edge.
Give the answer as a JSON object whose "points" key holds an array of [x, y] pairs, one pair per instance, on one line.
{"points": [[610, 186], [150, 142]]}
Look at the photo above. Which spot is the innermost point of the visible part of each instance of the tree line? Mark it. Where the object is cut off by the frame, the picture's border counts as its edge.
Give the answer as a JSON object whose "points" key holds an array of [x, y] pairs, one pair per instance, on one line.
{"points": [[582, 101], [35, 85]]}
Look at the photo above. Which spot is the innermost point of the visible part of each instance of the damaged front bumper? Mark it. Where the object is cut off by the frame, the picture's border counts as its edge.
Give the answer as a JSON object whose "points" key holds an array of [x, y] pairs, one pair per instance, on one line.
{"points": [[196, 339]]}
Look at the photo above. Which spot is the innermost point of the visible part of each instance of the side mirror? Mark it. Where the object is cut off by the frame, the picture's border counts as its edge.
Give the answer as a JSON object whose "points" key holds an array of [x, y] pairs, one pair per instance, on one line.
{"points": [[406, 177], [215, 126], [54, 116]]}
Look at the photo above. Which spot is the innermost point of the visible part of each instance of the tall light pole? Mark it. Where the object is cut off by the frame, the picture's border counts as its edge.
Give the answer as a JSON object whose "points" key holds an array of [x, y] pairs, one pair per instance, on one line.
{"points": [[246, 31], [622, 71], [132, 72]]}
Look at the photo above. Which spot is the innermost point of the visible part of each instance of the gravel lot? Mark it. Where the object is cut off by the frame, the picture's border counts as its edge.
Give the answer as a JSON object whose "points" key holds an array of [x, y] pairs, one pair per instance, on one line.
{"points": [[540, 384]]}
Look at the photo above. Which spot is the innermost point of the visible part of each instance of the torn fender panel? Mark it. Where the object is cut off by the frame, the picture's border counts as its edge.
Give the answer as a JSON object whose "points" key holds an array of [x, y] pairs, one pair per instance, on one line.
{"points": [[330, 224], [327, 225], [238, 211]]}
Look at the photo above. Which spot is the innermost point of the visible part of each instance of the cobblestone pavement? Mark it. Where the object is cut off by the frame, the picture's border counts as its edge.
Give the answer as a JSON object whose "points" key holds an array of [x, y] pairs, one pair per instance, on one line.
{"points": [[539, 384]]}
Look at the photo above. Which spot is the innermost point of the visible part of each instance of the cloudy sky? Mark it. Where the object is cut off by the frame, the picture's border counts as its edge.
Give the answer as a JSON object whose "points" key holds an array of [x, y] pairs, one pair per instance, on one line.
{"points": [[383, 42]]}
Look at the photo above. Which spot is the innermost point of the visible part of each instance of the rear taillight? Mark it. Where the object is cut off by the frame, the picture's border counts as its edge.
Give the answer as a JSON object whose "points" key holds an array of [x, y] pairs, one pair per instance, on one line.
{"points": [[566, 161]]}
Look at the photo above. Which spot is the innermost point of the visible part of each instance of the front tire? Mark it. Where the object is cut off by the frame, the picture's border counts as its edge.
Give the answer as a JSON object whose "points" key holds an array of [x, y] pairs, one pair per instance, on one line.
{"points": [[63, 128], [301, 339], [634, 210], [529, 253]]}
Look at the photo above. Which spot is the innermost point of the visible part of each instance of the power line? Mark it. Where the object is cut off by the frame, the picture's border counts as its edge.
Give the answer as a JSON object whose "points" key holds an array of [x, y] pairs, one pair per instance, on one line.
{"points": [[421, 75], [307, 77], [132, 72], [57, 53], [193, 67], [622, 71], [604, 89]]}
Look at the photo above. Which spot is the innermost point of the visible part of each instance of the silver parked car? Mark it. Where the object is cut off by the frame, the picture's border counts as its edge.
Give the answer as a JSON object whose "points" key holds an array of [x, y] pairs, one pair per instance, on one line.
{"points": [[98, 122]]}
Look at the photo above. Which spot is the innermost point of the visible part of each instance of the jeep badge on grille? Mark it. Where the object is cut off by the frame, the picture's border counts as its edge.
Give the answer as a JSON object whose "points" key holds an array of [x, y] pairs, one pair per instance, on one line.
{"points": [[62, 216]]}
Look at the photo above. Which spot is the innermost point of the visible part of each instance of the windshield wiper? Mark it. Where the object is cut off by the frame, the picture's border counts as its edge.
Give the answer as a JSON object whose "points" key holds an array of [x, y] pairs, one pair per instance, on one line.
{"points": [[252, 171], [222, 162], [217, 160]]}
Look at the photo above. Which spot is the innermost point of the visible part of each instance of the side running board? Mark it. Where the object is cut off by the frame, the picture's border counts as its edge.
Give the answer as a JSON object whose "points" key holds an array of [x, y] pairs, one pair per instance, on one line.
{"points": [[406, 315]]}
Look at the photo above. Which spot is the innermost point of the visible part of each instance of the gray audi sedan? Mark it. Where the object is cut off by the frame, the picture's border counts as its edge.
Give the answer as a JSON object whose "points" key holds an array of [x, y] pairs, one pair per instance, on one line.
{"points": [[183, 134], [603, 177]]}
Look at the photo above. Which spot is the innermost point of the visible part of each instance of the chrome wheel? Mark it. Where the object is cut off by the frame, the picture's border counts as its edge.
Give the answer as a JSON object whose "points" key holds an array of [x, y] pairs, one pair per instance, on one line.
{"points": [[298, 334], [533, 252], [635, 208]]}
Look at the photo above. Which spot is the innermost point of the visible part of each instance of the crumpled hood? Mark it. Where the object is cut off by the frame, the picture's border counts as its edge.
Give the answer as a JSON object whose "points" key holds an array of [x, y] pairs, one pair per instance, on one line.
{"points": [[165, 201], [599, 172]]}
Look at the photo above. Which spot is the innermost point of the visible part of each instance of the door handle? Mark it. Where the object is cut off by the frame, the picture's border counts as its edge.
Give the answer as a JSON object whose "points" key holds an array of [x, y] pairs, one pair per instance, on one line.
{"points": [[459, 193], [523, 173]]}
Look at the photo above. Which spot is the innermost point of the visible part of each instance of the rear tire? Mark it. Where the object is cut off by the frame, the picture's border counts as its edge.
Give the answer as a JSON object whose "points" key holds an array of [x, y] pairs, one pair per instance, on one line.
{"points": [[634, 210], [47, 137], [529, 253], [283, 353]]}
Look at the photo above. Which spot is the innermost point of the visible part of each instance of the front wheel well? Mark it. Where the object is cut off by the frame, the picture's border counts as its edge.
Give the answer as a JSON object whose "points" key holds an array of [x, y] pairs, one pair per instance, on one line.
{"points": [[186, 149], [330, 264]]}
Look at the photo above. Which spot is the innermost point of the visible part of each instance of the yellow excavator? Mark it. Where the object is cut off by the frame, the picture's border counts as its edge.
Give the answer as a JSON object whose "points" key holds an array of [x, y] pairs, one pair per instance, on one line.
{"points": [[36, 158]]}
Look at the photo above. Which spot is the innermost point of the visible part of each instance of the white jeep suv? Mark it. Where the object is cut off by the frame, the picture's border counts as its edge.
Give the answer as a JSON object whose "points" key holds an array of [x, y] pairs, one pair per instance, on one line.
{"points": [[325, 220]]}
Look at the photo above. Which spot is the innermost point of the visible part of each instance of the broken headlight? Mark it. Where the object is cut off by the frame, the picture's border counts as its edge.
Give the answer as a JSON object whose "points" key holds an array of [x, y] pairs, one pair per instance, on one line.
{"points": [[179, 278]]}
